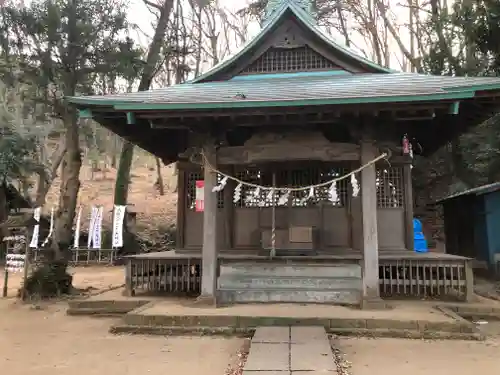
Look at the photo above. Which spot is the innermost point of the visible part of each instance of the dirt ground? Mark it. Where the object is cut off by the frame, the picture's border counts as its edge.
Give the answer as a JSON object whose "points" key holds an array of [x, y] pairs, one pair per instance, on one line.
{"points": [[43, 342], [421, 357], [97, 278], [46, 341]]}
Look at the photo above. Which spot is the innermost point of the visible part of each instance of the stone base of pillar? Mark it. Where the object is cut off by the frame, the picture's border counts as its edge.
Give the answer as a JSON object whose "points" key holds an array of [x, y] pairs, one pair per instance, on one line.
{"points": [[374, 303], [205, 301], [128, 292]]}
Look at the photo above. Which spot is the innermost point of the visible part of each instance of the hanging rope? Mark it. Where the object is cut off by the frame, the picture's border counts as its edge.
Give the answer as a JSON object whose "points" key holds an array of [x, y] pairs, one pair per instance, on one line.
{"points": [[207, 163]]}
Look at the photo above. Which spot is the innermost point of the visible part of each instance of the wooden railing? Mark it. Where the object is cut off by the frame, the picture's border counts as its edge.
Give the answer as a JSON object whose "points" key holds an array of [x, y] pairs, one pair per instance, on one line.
{"points": [[83, 257], [399, 278], [176, 276], [441, 279]]}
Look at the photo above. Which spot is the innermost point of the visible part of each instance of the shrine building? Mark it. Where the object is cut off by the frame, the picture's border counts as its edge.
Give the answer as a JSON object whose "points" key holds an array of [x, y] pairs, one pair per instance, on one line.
{"points": [[295, 179]]}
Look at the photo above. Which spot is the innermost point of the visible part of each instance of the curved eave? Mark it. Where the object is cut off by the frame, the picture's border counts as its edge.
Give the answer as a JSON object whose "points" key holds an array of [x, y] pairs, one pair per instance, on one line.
{"points": [[302, 16], [459, 94]]}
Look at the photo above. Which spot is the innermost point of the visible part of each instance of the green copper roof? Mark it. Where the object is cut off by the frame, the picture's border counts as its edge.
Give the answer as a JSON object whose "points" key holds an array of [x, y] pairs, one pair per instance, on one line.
{"points": [[297, 90], [273, 6]]}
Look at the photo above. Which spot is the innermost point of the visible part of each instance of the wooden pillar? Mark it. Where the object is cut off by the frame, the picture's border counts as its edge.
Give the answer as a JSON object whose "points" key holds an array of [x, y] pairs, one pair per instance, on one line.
{"points": [[229, 212], [408, 202], [210, 243], [369, 214], [181, 208]]}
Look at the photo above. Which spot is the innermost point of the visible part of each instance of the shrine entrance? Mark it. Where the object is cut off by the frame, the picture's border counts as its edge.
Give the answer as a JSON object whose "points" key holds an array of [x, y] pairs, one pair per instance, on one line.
{"points": [[322, 218], [302, 222]]}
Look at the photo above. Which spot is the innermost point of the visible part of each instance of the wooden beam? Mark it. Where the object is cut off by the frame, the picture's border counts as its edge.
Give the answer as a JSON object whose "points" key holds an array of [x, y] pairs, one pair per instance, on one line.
{"points": [[245, 114], [370, 229], [268, 153]]}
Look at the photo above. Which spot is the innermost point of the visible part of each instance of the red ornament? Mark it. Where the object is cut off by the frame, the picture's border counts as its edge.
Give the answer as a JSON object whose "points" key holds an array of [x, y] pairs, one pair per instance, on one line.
{"points": [[406, 145]]}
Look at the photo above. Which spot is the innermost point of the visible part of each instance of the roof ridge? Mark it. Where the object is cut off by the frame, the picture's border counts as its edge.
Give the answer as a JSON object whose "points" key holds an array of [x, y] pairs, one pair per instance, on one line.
{"points": [[273, 7], [308, 21]]}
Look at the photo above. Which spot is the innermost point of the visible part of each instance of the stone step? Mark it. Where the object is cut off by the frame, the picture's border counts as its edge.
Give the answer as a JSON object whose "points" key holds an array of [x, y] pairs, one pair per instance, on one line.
{"points": [[280, 283], [290, 270], [344, 297], [99, 311]]}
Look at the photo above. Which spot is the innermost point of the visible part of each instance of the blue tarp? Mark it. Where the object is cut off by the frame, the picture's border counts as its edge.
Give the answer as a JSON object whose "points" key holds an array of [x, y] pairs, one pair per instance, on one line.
{"points": [[419, 242]]}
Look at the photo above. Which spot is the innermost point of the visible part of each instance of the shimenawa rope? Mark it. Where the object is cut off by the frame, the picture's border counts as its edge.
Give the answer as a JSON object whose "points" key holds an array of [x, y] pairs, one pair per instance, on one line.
{"points": [[290, 189]]}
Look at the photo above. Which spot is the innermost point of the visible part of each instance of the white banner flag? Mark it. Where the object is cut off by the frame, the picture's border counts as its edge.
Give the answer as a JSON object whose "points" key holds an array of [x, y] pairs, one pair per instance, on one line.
{"points": [[76, 242], [96, 237], [51, 228], [36, 230], [118, 217], [93, 215]]}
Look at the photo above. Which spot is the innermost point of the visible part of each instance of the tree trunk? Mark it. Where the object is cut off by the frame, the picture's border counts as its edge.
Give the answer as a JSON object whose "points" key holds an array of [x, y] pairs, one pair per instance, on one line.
{"points": [[127, 153], [4, 212], [159, 179], [343, 24], [70, 185], [387, 22], [52, 278], [123, 173]]}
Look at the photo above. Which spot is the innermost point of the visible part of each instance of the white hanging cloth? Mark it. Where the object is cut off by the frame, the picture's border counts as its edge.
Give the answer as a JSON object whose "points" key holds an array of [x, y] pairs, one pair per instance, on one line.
{"points": [[51, 228], [221, 185], [333, 195], [283, 200], [311, 193], [36, 230], [355, 186], [76, 240], [237, 193], [270, 196], [96, 237], [93, 216], [118, 218]]}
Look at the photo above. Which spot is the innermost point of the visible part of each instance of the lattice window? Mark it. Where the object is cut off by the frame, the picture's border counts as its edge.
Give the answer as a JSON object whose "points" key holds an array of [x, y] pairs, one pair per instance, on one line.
{"points": [[192, 177], [248, 197], [293, 178], [316, 175], [390, 190], [283, 60]]}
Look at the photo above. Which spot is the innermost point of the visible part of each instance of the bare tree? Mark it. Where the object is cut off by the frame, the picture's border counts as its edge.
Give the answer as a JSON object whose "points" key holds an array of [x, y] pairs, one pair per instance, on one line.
{"points": [[153, 60]]}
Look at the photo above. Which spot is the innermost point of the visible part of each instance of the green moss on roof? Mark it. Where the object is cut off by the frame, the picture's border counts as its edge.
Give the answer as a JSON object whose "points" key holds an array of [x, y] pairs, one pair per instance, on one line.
{"points": [[273, 6]]}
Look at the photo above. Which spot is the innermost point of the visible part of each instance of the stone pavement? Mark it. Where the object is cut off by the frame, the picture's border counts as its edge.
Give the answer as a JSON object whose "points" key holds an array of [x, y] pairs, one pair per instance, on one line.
{"points": [[290, 351]]}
